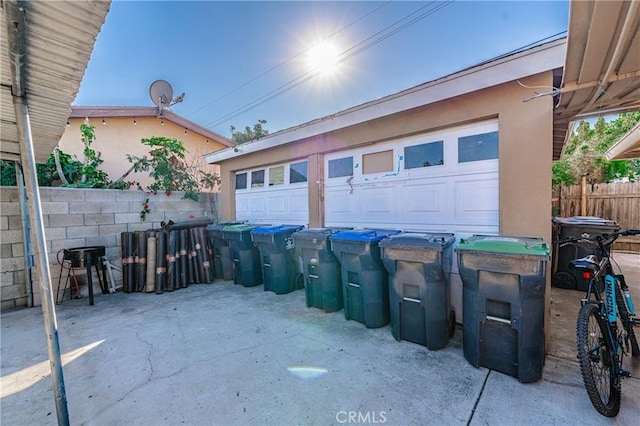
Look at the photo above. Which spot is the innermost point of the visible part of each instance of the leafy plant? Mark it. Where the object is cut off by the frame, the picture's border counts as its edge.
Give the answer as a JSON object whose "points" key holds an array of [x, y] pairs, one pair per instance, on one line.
{"points": [[249, 134], [166, 164]]}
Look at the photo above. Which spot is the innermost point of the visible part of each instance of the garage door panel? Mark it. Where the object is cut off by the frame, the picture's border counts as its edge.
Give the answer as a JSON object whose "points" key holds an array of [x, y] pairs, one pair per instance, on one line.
{"points": [[477, 201], [277, 204]]}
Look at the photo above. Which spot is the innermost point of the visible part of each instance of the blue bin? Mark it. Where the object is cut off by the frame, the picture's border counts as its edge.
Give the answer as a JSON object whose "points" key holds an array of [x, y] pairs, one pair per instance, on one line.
{"points": [[365, 286], [279, 267]]}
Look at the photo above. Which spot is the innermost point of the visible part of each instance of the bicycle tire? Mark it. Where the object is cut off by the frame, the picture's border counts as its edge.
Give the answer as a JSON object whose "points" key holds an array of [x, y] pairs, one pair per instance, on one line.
{"points": [[595, 357], [625, 318]]}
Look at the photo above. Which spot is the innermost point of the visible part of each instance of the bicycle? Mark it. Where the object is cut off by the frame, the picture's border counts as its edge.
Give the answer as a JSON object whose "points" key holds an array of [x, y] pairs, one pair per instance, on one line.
{"points": [[601, 342]]}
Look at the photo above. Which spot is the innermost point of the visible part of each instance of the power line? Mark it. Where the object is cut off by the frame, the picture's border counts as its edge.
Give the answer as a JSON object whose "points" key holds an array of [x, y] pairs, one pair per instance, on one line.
{"points": [[344, 56], [287, 60]]}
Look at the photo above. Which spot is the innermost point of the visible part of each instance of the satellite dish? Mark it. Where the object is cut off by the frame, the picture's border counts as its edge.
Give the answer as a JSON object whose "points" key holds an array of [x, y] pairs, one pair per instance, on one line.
{"points": [[161, 93]]}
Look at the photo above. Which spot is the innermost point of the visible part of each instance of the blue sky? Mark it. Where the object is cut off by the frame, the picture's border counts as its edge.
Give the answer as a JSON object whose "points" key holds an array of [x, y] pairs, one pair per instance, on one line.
{"points": [[227, 55]]}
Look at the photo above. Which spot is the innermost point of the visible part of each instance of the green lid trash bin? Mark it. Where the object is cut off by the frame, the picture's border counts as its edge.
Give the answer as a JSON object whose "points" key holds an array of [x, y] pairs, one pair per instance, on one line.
{"points": [[419, 266], [320, 268], [365, 289], [279, 267], [565, 227], [246, 257], [503, 303], [221, 252]]}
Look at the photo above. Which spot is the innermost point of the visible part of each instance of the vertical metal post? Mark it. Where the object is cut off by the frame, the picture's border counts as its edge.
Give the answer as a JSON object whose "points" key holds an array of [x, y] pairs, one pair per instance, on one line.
{"points": [[42, 259], [28, 249], [583, 199]]}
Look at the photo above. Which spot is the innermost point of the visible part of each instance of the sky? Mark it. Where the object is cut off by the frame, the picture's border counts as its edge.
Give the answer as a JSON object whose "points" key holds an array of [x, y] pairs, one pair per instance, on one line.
{"points": [[242, 61]]}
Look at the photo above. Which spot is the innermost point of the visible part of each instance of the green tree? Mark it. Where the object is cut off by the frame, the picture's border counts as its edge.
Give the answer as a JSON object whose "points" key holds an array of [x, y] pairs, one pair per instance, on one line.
{"points": [[48, 173], [584, 152], [250, 134]]}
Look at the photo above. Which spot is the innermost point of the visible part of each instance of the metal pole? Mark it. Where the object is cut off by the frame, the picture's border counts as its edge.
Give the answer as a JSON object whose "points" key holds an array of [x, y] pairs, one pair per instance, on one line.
{"points": [[42, 259], [26, 240]]}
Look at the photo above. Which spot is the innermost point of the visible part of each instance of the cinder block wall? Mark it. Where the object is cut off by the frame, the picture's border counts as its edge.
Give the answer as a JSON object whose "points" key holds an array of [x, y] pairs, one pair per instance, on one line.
{"points": [[83, 217]]}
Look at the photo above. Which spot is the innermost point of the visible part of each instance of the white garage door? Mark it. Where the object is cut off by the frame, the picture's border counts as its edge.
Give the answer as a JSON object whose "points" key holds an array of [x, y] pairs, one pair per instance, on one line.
{"points": [[275, 195], [446, 181]]}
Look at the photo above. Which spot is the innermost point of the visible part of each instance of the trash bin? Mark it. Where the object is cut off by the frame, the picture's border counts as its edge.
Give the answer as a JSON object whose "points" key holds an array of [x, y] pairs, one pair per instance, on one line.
{"points": [[221, 252], [279, 267], [246, 257], [419, 266], [365, 288], [503, 303], [320, 268], [565, 227]]}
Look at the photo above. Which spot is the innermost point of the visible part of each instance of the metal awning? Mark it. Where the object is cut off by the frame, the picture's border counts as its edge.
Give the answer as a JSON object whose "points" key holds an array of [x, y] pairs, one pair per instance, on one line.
{"points": [[55, 47], [627, 147], [602, 65]]}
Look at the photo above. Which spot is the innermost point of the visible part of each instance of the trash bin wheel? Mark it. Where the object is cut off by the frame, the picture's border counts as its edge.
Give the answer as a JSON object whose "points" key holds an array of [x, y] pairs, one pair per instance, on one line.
{"points": [[564, 280]]}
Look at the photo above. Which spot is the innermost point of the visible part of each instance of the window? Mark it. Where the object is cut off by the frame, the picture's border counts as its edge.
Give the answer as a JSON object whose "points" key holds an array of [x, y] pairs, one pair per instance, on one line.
{"points": [[298, 172], [478, 147], [377, 162], [276, 176], [341, 167], [257, 179], [424, 155], [241, 181]]}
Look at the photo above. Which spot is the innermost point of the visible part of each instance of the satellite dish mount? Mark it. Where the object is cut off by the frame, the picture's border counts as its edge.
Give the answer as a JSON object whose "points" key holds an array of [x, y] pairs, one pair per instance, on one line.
{"points": [[161, 94]]}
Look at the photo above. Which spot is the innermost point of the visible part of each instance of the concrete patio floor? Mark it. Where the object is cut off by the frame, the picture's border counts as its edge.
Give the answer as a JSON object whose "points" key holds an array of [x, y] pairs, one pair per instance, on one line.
{"points": [[223, 354]]}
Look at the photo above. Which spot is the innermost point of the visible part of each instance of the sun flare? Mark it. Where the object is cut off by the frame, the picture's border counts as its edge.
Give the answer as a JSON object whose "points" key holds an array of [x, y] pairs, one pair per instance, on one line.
{"points": [[323, 57]]}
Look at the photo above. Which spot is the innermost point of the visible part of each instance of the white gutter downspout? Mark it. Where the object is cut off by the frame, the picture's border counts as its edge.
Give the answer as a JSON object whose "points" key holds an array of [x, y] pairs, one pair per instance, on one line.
{"points": [[15, 21], [625, 33]]}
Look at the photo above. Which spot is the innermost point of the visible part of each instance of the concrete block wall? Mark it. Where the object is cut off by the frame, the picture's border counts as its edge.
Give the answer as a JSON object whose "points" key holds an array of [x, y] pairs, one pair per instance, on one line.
{"points": [[75, 217]]}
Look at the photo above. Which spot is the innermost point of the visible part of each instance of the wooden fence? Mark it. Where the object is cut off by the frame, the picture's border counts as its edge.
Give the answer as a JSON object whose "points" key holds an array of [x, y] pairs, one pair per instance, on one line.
{"points": [[614, 201]]}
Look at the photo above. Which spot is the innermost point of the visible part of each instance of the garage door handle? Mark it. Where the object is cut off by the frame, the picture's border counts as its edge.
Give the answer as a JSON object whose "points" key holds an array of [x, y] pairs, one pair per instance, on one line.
{"points": [[498, 319], [411, 299]]}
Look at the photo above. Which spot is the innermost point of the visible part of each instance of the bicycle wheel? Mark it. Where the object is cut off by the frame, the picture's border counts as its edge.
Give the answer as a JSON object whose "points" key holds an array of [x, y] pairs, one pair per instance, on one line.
{"points": [[597, 365], [625, 318]]}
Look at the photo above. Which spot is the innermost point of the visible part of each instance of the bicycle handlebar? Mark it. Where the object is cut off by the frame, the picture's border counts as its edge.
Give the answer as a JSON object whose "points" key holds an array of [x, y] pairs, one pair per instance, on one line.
{"points": [[599, 237]]}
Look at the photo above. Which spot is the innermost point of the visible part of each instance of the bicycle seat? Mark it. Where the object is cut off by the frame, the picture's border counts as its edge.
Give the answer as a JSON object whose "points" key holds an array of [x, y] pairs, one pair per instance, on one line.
{"points": [[589, 263]]}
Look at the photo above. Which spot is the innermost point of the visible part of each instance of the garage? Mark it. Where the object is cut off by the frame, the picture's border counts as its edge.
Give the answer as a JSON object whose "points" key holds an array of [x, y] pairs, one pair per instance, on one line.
{"points": [[276, 194]]}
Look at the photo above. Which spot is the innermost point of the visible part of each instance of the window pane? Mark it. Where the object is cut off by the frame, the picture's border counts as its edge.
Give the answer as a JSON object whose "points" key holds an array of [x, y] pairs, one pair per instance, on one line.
{"points": [[423, 155], [478, 147], [241, 181], [276, 175], [298, 172], [341, 167], [257, 179], [377, 162]]}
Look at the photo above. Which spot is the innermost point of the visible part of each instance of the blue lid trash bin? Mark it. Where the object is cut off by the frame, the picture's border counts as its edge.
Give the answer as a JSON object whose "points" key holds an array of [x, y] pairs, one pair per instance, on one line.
{"points": [[279, 267], [220, 250], [321, 269], [246, 257], [503, 303], [365, 288], [565, 227], [419, 266]]}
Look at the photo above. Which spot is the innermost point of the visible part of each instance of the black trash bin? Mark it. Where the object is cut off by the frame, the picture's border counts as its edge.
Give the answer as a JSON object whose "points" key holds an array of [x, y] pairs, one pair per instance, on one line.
{"points": [[221, 252], [246, 257], [503, 303], [565, 227], [365, 288], [320, 268], [279, 267], [419, 266]]}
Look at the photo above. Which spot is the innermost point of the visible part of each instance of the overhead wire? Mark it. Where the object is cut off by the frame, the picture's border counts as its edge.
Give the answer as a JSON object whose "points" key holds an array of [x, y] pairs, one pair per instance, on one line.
{"points": [[344, 56], [286, 61]]}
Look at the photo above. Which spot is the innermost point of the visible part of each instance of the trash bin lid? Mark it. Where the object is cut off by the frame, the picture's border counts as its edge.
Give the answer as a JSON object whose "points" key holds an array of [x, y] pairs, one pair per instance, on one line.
{"points": [[241, 227], [220, 225], [318, 233], [416, 239], [364, 235], [276, 229], [504, 245], [585, 221]]}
